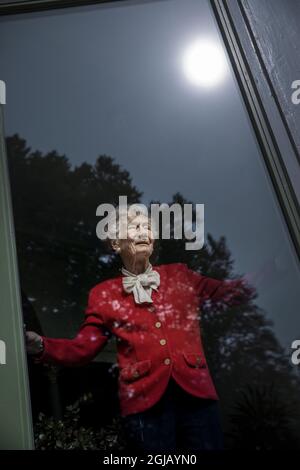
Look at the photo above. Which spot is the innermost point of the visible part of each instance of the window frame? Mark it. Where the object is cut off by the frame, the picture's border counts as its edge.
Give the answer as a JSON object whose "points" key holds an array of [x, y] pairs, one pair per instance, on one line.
{"points": [[271, 130], [10, 293]]}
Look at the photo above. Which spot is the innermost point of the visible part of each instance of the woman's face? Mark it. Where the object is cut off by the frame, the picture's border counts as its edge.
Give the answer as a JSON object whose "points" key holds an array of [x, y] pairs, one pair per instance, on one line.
{"points": [[139, 242]]}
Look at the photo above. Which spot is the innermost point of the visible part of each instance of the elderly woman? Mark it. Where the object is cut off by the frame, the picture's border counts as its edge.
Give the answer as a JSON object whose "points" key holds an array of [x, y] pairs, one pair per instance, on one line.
{"points": [[167, 398]]}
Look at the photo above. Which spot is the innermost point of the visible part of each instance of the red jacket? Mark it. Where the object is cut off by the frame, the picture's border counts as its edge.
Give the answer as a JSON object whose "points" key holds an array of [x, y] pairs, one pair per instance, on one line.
{"points": [[154, 341]]}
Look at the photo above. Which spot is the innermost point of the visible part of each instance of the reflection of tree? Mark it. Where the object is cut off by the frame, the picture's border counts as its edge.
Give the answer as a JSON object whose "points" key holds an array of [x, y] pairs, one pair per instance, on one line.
{"points": [[60, 259], [54, 208], [243, 350], [240, 345], [263, 420]]}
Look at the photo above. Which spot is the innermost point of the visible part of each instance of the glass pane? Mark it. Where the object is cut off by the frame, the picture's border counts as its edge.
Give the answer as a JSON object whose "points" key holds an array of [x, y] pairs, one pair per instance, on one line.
{"points": [[139, 99]]}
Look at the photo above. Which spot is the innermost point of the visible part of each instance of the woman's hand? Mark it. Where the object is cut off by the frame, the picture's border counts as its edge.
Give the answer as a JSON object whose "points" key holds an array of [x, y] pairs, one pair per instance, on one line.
{"points": [[34, 342]]}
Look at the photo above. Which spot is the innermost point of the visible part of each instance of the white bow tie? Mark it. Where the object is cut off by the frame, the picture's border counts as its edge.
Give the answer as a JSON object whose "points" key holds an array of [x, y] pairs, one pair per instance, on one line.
{"points": [[141, 285]]}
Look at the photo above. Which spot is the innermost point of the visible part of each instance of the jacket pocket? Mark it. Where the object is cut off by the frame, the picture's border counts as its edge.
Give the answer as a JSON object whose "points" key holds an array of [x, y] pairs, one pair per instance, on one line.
{"points": [[135, 371], [195, 360]]}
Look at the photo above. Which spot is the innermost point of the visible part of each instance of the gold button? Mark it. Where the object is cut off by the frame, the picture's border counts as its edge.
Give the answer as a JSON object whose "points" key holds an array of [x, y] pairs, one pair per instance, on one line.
{"points": [[135, 374], [198, 361], [163, 342], [167, 361], [158, 324]]}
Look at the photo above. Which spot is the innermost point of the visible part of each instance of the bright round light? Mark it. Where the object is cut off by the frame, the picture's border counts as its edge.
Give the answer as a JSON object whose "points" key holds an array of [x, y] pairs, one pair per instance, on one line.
{"points": [[205, 63]]}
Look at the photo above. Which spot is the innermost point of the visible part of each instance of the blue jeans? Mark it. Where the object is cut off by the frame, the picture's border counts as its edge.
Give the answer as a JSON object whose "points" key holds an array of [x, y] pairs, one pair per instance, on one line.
{"points": [[178, 422]]}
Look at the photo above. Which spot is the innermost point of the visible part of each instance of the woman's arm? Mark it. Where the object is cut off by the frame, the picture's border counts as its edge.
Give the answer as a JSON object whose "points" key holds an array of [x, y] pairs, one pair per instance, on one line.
{"points": [[90, 339], [227, 292]]}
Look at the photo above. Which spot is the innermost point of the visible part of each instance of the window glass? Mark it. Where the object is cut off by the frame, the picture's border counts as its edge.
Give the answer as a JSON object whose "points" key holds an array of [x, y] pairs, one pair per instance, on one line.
{"points": [[139, 99]]}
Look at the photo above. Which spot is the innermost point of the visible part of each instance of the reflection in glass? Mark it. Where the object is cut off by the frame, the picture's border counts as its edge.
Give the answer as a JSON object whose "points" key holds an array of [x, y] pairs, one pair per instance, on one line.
{"points": [[205, 63], [124, 120]]}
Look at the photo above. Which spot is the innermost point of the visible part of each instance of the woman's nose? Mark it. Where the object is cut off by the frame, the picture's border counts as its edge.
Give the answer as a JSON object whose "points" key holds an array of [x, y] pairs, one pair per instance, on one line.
{"points": [[142, 232]]}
